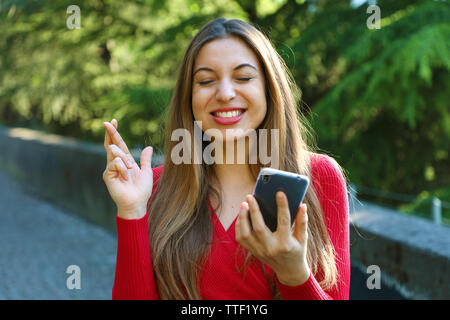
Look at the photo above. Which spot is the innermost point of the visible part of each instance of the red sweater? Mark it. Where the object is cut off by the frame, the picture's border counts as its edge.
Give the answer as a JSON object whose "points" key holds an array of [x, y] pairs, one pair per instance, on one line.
{"points": [[220, 280]]}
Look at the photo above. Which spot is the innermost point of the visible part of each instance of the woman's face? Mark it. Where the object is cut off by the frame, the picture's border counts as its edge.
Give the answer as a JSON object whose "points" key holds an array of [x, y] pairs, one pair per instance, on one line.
{"points": [[228, 90]]}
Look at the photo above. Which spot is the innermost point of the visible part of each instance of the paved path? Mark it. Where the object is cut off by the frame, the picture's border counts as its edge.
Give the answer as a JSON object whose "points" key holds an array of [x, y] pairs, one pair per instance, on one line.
{"points": [[40, 241]]}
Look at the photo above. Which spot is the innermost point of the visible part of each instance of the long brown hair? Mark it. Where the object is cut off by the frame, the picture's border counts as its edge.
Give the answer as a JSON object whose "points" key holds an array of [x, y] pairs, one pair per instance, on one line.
{"points": [[180, 226]]}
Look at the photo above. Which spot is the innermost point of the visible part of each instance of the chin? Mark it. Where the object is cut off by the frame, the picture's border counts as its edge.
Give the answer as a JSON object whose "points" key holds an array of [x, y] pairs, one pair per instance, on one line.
{"points": [[236, 134]]}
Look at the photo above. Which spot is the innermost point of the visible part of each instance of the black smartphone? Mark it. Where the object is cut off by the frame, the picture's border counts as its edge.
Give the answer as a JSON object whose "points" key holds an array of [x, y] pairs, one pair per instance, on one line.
{"points": [[272, 180]]}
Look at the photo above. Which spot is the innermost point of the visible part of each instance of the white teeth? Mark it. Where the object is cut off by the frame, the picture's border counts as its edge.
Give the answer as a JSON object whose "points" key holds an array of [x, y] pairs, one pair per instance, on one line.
{"points": [[228, 114]]}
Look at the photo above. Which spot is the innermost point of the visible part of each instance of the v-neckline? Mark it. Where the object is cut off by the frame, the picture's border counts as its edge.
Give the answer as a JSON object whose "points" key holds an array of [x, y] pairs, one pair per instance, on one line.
{"points": [[230, 231]]}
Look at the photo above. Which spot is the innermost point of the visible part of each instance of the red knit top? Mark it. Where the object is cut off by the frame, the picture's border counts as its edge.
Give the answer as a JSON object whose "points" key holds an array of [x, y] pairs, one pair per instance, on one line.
{"points": [[221, 279]]}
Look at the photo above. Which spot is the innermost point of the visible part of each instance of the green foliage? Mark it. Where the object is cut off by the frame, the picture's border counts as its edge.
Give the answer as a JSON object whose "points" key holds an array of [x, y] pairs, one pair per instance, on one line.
{"points": [[122, 63], [377, 99], [389, 112]]}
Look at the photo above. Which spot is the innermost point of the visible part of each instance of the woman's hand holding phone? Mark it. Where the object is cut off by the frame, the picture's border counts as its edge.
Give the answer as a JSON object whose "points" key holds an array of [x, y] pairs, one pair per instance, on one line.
{"points": [[283, 250], [129, 185]]}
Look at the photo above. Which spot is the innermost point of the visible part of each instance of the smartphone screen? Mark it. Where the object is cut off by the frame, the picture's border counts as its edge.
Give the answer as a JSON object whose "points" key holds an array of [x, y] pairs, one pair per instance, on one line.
{"points": [[272, 180]]}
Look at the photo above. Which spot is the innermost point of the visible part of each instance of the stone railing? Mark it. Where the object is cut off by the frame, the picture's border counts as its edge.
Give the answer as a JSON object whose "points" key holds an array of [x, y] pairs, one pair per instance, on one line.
{"points": [[65, 171], [413, 254]]}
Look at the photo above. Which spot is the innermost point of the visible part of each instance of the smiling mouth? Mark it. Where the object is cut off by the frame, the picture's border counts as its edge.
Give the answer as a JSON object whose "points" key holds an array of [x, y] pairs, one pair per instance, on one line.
{"points": [[228, 114]]}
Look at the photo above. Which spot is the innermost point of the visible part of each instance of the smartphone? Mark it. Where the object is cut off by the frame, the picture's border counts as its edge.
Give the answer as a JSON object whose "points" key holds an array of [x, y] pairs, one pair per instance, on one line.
{"points": [[272, 180]]}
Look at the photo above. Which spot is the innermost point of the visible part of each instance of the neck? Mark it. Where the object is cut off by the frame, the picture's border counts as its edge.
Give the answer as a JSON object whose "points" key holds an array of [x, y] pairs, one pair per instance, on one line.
{"points": [[233, 173]]}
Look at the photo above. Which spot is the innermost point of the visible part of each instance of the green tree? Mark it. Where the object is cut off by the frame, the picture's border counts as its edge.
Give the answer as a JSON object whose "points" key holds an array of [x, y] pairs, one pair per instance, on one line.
{"points": [[377, 99]]}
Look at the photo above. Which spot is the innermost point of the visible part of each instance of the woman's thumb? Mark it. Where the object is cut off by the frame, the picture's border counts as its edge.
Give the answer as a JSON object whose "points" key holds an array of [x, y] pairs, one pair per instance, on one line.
{"points": [[146, 158]]}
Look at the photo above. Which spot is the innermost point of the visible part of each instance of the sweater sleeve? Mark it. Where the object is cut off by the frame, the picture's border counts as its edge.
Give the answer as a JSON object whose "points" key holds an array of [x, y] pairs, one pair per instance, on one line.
{"points": [[134, 277], [331, 189]]}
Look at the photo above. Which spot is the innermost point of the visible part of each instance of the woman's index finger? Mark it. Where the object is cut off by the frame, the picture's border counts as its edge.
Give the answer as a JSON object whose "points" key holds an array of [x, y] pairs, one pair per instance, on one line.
{"points": [[114, 123], [106, 144], [116, 138], [107, 137], [283, 214]]}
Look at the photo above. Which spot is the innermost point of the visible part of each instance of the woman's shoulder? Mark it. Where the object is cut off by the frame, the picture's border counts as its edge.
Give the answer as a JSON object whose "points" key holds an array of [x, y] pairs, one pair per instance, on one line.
{"points": [[325, 168], [330, 186]]}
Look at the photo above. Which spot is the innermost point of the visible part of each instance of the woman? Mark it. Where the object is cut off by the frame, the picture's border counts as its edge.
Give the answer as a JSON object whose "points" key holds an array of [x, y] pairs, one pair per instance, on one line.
{"points": [[193, 230]]}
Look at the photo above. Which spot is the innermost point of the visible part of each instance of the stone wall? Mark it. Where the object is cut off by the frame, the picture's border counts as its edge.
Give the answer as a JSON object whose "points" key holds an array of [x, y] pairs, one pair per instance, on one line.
{"points": [[63, 170]]}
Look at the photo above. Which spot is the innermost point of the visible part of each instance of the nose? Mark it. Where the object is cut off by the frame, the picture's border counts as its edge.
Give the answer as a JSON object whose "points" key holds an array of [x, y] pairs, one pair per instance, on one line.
{"points": [[225, 91]]}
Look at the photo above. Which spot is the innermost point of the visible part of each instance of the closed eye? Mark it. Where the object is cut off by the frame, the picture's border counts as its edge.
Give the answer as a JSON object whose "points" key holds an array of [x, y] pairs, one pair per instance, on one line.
{"points": [[205, 82], [202, 83]]}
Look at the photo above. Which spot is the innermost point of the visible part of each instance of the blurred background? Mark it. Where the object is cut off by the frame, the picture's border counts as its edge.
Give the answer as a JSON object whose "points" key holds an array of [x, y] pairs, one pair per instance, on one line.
{"points": [[377, 98]]}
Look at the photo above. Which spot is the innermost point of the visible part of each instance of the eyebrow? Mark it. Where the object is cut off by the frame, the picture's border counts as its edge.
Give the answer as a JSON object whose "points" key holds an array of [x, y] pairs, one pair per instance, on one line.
{"points": [[236, 68]]}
